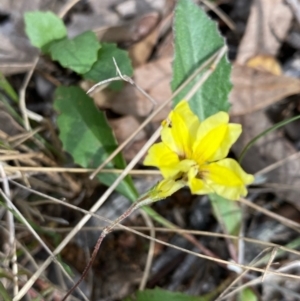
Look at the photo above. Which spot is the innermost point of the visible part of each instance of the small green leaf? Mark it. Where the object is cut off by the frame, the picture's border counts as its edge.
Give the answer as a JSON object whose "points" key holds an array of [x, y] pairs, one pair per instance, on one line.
{"points": [[104, 67], [8, 89], [78, 54], [158, 294], [3, 293], [43, 28], [228, 213], [86, 135], [6, 92], [196, 39], [247, 294]]}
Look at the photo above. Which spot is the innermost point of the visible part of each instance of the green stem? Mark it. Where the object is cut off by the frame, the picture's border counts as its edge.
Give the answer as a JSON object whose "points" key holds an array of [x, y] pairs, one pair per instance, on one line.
{"points": [[269, 130], [3, 293]]}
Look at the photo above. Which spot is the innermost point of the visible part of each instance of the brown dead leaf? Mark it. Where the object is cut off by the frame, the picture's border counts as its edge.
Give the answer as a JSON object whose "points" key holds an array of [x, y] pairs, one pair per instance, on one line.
{"points": [[141, 51], [154, 78], [81, 22], [131, 150], [268, 150], [16, 53], [123, 127], [101, 95], [16, 7], [166, 47], [129, 32], [267, 27], [254, 89]]}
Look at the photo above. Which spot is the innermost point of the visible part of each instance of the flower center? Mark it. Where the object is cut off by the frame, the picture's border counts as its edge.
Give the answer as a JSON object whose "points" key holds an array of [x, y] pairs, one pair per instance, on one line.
{"points": [[202, 172]]}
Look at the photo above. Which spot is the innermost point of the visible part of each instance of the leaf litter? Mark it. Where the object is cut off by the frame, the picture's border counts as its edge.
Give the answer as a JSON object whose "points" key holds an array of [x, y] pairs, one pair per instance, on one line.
{"points": [[255, 94]]}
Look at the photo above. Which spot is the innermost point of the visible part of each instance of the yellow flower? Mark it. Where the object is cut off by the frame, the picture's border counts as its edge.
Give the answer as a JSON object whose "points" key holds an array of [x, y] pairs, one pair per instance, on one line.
{"points": [[193, 153]]}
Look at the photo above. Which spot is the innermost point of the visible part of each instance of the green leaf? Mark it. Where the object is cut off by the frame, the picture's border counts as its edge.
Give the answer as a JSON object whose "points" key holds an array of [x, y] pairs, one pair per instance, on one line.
{"points": [[228, 213], [160, 294], [247, 294], [3, 293], [264, 133], [196, 39], [86, 135], [78, 54], [43, 28], [8, 89], [104, 67]]}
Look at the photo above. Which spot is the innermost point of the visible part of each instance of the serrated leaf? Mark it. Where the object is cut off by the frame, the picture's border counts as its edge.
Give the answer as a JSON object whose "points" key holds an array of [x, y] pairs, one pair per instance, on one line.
{"points": [[160, 294], [228, 213], [104, 67], [196, 39], [43, 28], [86, 135], [78, 54]]}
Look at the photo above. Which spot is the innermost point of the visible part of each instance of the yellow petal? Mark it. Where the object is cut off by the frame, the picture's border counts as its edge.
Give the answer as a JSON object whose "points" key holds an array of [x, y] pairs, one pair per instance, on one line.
{"points": [[214, 138], [232, 134], [197, 186], [227, 178], [165, 188], [163, 157], [186, 165], [211, 122], [178, 170], [206, 148], [184, 110], [180, 134]]}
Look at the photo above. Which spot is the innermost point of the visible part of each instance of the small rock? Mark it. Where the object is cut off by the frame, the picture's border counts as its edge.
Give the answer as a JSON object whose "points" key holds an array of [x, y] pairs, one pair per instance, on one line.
{"points": [[126, 9]]}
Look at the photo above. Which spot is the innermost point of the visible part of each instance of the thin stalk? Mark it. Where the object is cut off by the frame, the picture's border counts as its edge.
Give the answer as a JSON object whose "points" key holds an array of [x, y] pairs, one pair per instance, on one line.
{"points": [[142, 201], [269, 130]]}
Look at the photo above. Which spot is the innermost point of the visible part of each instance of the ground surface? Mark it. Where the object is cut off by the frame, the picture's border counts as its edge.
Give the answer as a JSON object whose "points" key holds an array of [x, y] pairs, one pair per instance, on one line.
{"points": [[264, 47]]}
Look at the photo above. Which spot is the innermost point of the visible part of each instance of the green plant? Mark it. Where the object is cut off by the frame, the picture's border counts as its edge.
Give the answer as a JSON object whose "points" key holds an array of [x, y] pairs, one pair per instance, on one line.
{"points": [[196, 40], [84, 131]]}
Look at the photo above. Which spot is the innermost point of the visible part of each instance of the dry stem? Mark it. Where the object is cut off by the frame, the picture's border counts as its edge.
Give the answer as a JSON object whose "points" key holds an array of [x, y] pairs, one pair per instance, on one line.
{"points": [[105, 231]]}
